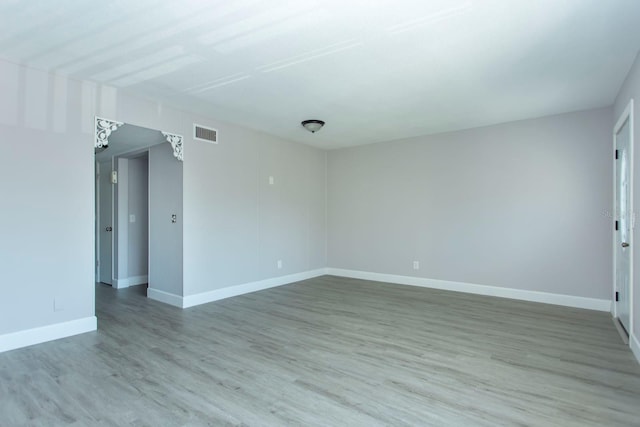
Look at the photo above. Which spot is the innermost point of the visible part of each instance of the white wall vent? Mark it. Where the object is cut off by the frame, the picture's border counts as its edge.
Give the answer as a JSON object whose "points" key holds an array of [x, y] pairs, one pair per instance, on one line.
{"points": [[202, 133]]}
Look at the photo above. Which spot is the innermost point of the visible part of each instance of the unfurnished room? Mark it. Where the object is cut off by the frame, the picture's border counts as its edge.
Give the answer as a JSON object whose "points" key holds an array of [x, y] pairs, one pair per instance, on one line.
{"points": [[319, 213]]}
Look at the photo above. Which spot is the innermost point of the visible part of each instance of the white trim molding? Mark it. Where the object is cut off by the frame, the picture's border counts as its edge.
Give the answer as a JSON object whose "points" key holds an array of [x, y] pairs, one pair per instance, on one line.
{"points": [[165, 297], [130, 281], [635, 346], [230, 291], [104, 127], [176, 143], [14, 340], [495, 291], [246, 288]]}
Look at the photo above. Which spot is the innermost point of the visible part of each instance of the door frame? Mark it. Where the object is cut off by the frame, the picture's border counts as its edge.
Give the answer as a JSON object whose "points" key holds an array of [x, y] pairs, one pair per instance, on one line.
{"points": [[627, 115], [97, 229], [96, 220]]}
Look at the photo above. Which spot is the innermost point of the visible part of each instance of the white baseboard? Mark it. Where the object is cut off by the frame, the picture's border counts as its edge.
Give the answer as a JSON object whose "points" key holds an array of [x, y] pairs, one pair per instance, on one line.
{"points": [[635, 346], [245, 288], [231, 291], [130, 281], [165, 297], [42, 334], [495, 291]]}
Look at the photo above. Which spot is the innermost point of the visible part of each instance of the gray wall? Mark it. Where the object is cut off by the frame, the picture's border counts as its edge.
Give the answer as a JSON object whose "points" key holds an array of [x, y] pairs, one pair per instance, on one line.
{"points": [[47, 190], [519, 205], [631, 89], [121, 223], [165, 237], [132, 239], [237, 225], [138, 205]]}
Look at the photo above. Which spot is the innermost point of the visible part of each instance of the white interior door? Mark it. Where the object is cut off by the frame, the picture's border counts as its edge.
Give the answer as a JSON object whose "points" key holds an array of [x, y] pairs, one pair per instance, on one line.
{"points": [[105, 223], [624, 220]]}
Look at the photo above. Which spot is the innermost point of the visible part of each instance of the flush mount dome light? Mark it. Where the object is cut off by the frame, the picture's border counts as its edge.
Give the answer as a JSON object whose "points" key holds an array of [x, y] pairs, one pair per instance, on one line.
{"points": [[313, 125]]}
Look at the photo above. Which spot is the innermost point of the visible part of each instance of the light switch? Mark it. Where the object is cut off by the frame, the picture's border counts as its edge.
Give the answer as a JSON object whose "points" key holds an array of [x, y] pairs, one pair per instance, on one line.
{"points": [[271, 180], [132, 218]]}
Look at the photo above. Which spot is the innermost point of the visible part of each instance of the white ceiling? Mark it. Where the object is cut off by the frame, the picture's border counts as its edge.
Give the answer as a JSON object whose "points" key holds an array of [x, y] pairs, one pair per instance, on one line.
{"points": [[374, 70]]}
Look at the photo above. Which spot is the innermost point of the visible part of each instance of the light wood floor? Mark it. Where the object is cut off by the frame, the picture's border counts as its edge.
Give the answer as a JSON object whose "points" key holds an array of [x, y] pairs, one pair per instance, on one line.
{"points": [[331, 352]]}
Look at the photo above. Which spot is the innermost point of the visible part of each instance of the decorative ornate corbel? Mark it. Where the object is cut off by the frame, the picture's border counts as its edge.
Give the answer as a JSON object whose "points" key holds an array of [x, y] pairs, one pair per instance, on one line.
{"points": [[104, 127], [176, 144]]}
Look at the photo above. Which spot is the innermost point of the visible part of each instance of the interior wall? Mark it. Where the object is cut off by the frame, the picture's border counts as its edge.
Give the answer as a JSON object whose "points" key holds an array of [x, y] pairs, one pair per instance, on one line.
{"points": [[238, 225], [104, 219], [47, 186], [132, 225], [631, 90], [521, 205], [121, 224], [165, 236], [138, 220]]}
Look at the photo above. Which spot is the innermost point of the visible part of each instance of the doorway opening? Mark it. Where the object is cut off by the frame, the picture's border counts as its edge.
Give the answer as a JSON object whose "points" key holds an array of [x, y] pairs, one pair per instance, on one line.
{"points": [[130, 163]]}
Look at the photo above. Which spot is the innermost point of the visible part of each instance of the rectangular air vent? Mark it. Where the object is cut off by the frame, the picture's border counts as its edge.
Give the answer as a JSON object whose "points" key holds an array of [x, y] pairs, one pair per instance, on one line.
{"points": [[202, 133]]}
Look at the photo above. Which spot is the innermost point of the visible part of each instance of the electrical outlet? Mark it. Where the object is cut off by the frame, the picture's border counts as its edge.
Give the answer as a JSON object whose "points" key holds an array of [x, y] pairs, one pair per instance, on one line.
{"points": [[132, 218], [58, 304], [416, 265], [279, 264]]}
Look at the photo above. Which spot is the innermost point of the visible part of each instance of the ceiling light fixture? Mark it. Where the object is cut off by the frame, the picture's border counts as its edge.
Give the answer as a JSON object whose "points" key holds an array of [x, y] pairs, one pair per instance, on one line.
{"points": [[313, 125]]}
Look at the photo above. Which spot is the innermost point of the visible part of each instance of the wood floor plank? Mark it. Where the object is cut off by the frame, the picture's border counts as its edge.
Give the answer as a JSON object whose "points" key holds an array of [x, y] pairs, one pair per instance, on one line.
{"points": [[327, 351]]}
